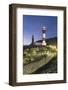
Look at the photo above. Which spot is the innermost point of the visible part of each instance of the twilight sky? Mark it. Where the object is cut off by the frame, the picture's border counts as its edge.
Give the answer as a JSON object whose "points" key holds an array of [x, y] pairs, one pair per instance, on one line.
{"points": [[32, 25]]}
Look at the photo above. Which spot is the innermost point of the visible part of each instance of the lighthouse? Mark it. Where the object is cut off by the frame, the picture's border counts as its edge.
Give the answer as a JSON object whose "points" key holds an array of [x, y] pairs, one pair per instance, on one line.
{"points": [[44, 35]]}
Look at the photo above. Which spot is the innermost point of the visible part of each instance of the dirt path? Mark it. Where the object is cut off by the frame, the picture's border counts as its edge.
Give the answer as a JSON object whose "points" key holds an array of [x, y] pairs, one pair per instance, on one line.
{"points": [[32, 67]]}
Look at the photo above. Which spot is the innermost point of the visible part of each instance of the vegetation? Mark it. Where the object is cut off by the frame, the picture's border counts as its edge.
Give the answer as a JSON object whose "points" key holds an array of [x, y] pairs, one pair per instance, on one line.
{"points": [[40, 59], [51, 67], [31, 54]]}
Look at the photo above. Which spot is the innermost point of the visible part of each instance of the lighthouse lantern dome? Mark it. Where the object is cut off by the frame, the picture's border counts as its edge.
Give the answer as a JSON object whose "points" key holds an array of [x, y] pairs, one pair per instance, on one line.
{"points": [[43, 28]]}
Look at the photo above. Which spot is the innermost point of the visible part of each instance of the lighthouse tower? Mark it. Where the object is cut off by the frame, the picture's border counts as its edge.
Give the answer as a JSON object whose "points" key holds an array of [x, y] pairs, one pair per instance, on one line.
{"points": [[44, 35]]}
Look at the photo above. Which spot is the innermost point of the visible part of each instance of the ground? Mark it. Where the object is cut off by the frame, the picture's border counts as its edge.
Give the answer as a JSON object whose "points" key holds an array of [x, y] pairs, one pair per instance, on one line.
{"points": [[36, 58]]}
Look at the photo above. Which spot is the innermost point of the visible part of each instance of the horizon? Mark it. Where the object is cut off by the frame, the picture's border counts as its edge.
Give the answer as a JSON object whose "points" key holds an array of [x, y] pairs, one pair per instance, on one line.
{"points": [[41, 39], [32, 25]]}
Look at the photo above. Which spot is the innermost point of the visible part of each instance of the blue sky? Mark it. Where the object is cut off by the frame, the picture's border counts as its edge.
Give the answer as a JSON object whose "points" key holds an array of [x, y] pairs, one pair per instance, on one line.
{"points": [[32, 25]]}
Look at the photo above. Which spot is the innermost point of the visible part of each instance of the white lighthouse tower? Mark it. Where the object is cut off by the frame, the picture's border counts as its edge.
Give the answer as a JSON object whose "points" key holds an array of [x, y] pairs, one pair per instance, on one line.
{"points": [[44, 35]]}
